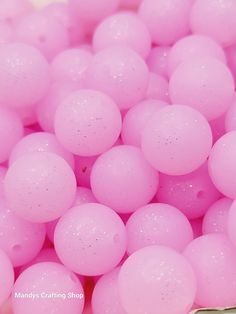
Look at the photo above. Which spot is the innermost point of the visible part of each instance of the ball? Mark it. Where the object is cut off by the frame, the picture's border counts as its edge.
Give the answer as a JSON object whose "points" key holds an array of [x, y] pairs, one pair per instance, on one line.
{"points": [[231, 222], [230, 118], [6, 277], [157, 60]]}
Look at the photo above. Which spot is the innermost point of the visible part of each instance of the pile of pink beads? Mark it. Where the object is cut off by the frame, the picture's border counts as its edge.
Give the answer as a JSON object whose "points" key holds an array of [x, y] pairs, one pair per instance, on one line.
{"points": [[117, 156]]}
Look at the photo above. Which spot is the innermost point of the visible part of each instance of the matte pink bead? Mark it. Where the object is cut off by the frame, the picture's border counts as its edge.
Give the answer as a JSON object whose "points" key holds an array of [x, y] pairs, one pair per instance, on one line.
{"points": [[231, 223], [90, 239], [50, 228], [122, 179], [230, 118], [126, 76], [35, 186], [192, 193], [157, 277], [157, 60], [83, 195], [216, 217], [6, 277], [158, 88], [197, 227], [27, 115], [220, 23], [231, 59], [158, 224], [171, 131], [7, 34], [83, 168], [12, 11], [203, 83], [3, 171], [130, 4], [25, 71], [218, 127], [213, 258], [87, 122], [167, 20], [54, 287]]}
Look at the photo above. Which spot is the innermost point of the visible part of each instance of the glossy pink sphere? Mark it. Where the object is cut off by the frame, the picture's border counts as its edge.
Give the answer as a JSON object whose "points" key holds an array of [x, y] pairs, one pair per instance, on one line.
{"points": [[158, 60]]}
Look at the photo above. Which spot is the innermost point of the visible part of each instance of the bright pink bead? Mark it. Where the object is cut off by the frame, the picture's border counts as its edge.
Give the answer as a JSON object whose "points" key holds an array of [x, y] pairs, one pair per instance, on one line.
{"points": [[44, 32], [220, 23], [197, 227], [203, 83], [6, 277], [83, 195], [192, 193], [167, 20], [216, 217], [40, 142], [122, 179], [213, 259], [191, 47], [157, 278], [50, 228], [7, 34], [137, 118], [158, 224], [158, 88], [12, 11], [123, 28], [172, 131], [125, 78], [105, 298], [230, 118], [90, 239], [24, 75], [158, 60], [83, 168], [43, 280], [232, 222], [87, 122], [40, 187], [222, 167]]}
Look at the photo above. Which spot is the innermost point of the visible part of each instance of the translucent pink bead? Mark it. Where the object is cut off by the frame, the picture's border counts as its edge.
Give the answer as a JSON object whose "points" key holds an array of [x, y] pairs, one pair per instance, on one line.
{"points": [[83, 168], [71, 65], [220, 23], [123, 28], [52, 285], [46, 33], [158, 60], [197, 227], [157, 277], [172, 131], [192, 193], [47, 107], [159, 224], [87, 122], [90, 239], [126, 76], [193, 46], [26, 72], [12, 11], [221, 164], [230, 118], [11, 131], [20, 239], [167, 20], [137, 118], [158, 88], [203, 83], [6, 277], [105, 298], [40, 187], [84, 195], [213, 259], [40, 142], [216, 217], [122, 179], [7, 34], [231, 223]]}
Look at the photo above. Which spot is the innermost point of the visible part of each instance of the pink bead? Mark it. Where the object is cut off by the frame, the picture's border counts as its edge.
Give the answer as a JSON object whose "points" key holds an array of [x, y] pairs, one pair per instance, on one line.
{"points": [[40, 187], [12, 11], [6, 277], [216, 217], [123, 28], [122, 179], [20, 239], [231, 59], [11, 131], [105, 298], [213, 259], [203, 83], [27, 115], [3, 171], [7, 34], [87, 122], [220, 23], [218, 127], [158, 60], [130, 4], [40, 142], [83, 196], [44, 32], [125, 78], [158, 224], [157, 278], [47, 107], [191, 47], [222, 167], [158, 88], [83, 168], [90, 239], [137, 118], [50, 228], [177, 140], [231, 223], [167, 20], [230, 118], [192, 193], [197, 227], [26, 72], [71, 65], [52, 286]]}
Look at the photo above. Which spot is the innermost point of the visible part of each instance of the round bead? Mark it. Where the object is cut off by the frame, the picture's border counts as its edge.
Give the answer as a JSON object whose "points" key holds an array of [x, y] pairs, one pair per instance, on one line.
{"points": [[173, 130], [6, 277], [40, 187], [230, 118], [158, 88], [83, 195], [130, 4], [158, 60], [231, 223], [12, 11], [7, 34], [83, 168]]}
